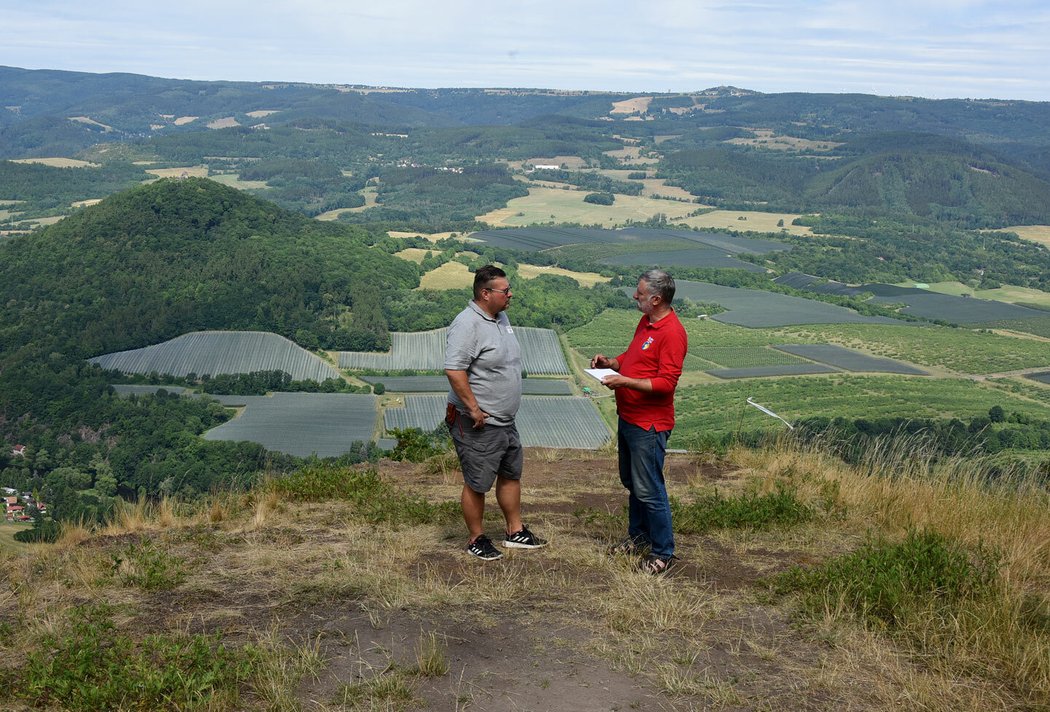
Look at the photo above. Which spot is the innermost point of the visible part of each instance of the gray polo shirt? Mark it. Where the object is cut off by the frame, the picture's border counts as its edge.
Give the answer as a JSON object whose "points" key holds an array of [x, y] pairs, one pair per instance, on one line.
{"points": [[487, 349]]}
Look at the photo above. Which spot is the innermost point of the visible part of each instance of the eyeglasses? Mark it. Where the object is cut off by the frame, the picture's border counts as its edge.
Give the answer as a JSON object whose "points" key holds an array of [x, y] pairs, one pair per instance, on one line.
{"points": [[501, 291]]}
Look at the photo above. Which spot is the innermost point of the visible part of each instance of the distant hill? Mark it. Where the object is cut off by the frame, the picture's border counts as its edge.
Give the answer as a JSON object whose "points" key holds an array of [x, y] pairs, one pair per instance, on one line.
{"points": [[175, 256]]}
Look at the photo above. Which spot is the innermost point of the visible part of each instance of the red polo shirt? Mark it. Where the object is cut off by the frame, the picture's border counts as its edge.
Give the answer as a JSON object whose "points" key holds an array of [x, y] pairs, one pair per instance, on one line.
{"points": [[656, 352]]}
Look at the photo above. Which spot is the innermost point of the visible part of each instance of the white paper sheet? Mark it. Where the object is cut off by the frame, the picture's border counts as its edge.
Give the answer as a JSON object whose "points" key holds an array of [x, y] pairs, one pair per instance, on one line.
{"points": [[600, 373]]}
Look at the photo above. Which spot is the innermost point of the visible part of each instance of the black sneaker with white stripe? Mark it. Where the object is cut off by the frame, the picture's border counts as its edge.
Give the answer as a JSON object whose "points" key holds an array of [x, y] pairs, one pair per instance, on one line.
{"points": [[524, 539], [483, 549]]}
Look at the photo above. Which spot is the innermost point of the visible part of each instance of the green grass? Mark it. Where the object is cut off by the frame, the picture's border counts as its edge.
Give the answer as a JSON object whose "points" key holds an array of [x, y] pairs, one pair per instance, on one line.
{"points": [[891, 586], [747, 511], [89, 665], [145, 566], [721, 407], [7, 536], [746, 356], [373, 498]]}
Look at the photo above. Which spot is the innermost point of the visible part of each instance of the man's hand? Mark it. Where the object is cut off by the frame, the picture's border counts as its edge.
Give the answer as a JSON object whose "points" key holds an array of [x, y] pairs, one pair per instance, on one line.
{"points": [[600, 361], [617, 381], [478, 416]]}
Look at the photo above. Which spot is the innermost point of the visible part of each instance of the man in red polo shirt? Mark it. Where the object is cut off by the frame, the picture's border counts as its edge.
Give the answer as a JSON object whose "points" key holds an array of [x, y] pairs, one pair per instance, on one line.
{"points": [[647, 375]]}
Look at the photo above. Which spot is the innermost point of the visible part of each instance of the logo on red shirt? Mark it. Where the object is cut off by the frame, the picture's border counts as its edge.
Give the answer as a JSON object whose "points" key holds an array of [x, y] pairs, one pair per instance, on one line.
{"points": [[647, 344]]}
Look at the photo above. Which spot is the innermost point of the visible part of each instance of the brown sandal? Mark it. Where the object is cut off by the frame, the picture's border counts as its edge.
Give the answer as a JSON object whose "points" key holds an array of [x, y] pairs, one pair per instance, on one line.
{"points": [[657, 565]]}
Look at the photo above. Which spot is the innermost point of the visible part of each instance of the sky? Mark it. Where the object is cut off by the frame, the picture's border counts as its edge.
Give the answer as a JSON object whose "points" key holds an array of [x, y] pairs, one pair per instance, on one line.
{"points": [[927, 48]]}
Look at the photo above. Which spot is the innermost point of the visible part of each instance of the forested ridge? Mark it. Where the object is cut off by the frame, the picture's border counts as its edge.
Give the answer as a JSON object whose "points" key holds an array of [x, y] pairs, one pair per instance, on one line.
{"points": [[181, 255]]}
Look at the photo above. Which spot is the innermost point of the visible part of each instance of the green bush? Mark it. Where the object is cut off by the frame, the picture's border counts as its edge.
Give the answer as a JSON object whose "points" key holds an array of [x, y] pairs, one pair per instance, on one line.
{"points": [[600, 198]]}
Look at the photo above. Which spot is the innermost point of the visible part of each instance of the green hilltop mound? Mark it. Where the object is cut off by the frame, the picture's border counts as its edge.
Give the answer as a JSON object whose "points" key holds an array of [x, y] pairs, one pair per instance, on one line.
{"points": [[183, 255]]}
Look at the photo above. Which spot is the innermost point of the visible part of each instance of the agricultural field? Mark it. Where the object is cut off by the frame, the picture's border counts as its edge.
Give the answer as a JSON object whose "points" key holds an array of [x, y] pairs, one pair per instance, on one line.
{"points": [[957, 310], [544, 205], [792, 369], [302, 424], [180, 172], [746, 220], [1007, 293], [654, 187], [937, 347], [234, 181], [425, 351], [561, 422], [413, 254], [439, 384], [1042, 377], [721, 407], [57, 162], [850, 360], [585, 279], [7, 536], [643, 239], [697, 257], [451, 275], [745, 356], [215, 352], [756, 308], [770, 140]]}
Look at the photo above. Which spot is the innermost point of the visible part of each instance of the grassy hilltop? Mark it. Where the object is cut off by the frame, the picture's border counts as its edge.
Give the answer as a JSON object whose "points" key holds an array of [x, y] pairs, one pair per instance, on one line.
{"points": [[804, 583]]}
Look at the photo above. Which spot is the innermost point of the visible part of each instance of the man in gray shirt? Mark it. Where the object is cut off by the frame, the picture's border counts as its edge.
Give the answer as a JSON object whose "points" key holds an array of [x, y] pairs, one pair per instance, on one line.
{"points": [[483, 365]]}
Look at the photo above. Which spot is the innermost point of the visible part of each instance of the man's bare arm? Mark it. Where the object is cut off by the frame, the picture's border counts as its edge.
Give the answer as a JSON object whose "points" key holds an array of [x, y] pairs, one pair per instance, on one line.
{"points": [[460, 382]]}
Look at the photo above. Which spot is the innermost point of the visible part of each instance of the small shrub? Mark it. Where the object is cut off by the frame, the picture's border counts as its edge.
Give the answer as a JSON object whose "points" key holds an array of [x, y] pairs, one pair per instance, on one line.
{"points": [[146, 566], [748, 511], [415, 445]]}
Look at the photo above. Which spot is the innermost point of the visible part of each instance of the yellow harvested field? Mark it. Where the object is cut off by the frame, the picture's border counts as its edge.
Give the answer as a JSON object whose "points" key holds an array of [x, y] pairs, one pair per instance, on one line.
{"points": [[1034, 233], [638, 105], [40, 222], [753, 221], [91, 122], [86, 203], [181, 172], [665, 137], [1007, 293], [183, 120], [262, 113], [543, 205], [414, 254], [234, 181], [766, 138], [586, 279], [57, 162], [7, 214], [451, 275], [571, 163], [227, 122]]}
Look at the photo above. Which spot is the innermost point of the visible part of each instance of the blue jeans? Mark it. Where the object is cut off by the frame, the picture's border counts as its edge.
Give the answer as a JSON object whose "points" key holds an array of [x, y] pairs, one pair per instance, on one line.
{"points": [[642, 473]]}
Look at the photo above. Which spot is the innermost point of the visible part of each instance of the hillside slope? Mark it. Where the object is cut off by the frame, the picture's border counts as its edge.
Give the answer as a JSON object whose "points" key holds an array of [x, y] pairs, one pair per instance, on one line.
{"points": [[174, 256], [339, 589]]}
